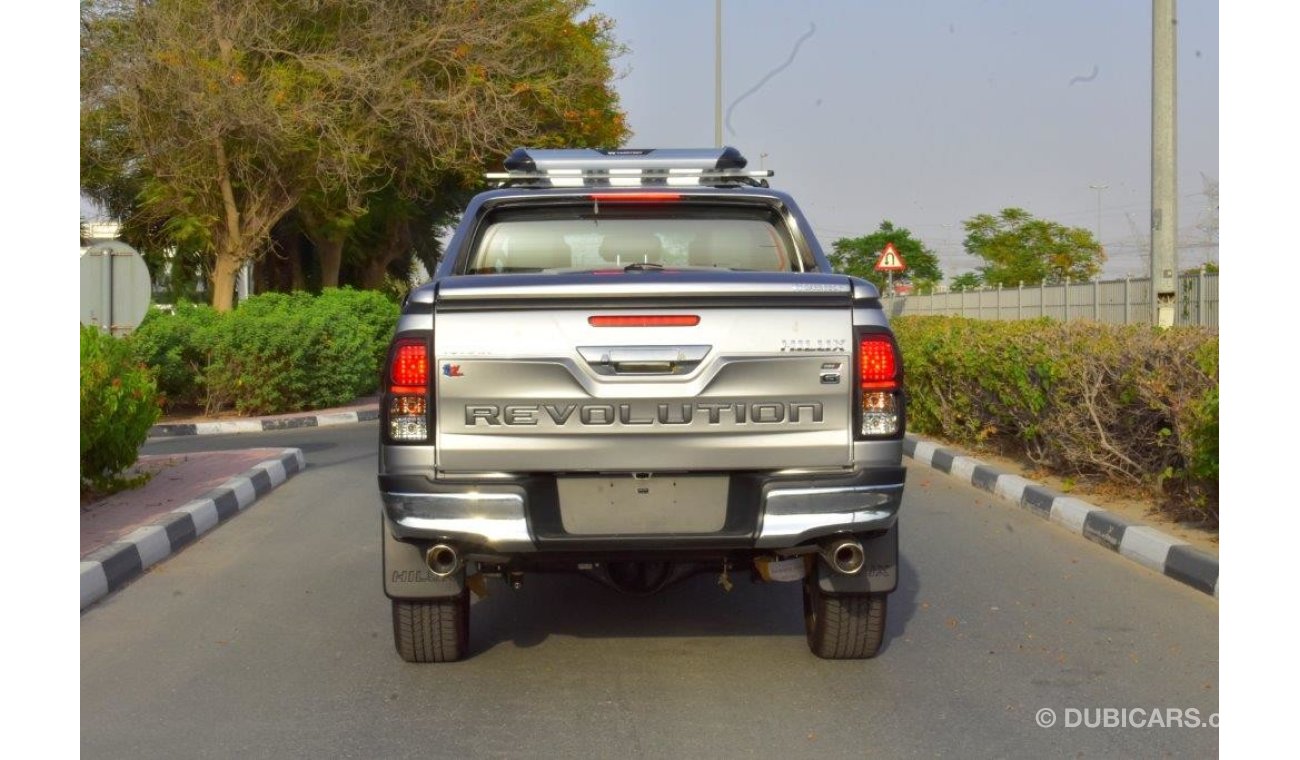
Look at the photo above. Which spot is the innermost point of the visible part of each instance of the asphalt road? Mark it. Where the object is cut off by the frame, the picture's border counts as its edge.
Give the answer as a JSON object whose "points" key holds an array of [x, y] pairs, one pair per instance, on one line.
{"points": [[271, 637]]}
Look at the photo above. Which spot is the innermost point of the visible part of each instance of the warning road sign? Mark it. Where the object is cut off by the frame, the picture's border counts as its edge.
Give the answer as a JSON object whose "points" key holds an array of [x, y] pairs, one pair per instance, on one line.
{"points": [[890, 260]]}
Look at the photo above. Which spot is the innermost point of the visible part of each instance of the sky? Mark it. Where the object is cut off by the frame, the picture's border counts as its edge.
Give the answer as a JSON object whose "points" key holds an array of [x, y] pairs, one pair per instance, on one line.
{"points": [[927, 113]]}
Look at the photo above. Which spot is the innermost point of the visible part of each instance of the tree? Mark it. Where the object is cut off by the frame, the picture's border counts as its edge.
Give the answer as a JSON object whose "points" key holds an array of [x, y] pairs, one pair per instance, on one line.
{"points": [[397, 231], [857, 257], [188, 105], [539, 77], [1022, 249], [965, 281], [216, 120]]}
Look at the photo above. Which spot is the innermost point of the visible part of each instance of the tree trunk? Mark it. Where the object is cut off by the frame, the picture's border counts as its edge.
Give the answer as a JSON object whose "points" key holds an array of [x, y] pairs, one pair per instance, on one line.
{"points": [[297, 278], [223, 280], [327, 239], [243, 229], [372, 277], [228, 243], [397, 243], [275, 270], [331, 259]]}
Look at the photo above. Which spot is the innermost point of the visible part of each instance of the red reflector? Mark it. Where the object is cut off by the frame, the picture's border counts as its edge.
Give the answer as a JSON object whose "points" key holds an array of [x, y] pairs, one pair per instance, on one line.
{"points": [[636, 197], [410, 364], [406, 390], [877, 364], [644, 320]]}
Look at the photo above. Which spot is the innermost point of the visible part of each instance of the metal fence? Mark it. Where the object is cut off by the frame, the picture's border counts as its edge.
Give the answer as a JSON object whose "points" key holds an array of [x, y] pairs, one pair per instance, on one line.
{"points": [[1124, 302]]}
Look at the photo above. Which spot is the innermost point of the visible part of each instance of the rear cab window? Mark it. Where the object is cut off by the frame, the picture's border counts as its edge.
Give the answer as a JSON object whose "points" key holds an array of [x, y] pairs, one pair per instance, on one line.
{"points": [[591, 237]]}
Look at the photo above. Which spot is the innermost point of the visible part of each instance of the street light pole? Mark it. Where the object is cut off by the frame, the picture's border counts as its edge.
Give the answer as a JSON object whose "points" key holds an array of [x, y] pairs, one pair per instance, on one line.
{"points": [[717, 73], [1098, 188], [1164, 156]]}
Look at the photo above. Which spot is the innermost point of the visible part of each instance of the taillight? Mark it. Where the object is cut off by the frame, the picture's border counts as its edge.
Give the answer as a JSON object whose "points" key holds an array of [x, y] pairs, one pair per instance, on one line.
{"points": [[877, 365], [410, 365], [408, 391], [879, 384]]}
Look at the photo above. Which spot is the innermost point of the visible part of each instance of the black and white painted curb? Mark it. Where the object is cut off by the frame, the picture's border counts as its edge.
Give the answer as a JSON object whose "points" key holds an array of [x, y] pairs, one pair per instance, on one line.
{"points": [[263, 424], [107, 569], [1140, 543]]}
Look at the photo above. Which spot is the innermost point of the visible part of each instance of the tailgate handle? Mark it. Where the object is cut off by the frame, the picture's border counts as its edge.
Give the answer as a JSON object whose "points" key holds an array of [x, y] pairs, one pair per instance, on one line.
{"points": [[643, 360]]}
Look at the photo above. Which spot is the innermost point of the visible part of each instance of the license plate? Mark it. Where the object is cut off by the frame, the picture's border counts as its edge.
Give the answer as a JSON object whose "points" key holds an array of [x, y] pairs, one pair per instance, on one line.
{"points": [[655, 505]]}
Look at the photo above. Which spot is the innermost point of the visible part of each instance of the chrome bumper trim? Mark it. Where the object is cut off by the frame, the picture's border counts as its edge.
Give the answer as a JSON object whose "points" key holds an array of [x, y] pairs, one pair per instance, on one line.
{"points": [[784, 531], [794, 515], [794, 501], [493, 520], [498, 520]]}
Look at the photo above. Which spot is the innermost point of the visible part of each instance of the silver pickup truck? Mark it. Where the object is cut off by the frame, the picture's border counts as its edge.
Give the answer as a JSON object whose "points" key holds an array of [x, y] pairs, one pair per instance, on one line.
{"points": [[637, 365]]}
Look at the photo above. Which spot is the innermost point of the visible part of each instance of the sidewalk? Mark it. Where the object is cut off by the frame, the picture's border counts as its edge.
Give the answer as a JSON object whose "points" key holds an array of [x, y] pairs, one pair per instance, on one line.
{"points": [[1133, 540], [178, 479], [189, 494]]}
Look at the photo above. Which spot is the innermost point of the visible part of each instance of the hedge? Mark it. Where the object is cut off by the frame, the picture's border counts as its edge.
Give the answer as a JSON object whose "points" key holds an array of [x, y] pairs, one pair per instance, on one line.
{"points": [[275, 353], [119, 402], [178, 346], [1125, 405]]}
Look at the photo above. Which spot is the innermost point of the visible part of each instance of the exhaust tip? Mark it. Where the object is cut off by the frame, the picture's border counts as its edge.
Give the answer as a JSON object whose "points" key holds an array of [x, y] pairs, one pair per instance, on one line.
{"points": [[845, 556], [442, 559]]}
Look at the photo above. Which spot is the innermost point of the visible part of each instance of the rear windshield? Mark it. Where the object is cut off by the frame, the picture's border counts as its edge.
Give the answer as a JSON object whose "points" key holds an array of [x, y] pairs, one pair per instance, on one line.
{"points": [[560, 240]]}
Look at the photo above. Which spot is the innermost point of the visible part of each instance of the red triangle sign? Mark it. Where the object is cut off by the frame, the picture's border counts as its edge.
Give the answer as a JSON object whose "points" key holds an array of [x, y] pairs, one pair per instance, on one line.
{"points": [[890, 260]]}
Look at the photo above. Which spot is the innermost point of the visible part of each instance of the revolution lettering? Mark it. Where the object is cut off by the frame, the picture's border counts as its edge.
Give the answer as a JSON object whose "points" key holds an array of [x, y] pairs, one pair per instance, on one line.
{"points": [[645, 414]]}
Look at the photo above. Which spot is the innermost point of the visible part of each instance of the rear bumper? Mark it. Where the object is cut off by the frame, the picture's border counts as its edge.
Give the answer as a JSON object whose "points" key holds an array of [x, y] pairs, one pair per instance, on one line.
{"points": [[764, 511], [495, 519], [793, 515]]}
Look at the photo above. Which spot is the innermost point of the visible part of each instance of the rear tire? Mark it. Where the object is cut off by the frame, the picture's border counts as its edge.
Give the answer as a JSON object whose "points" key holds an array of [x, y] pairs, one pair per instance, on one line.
{"points": [[844, 626], [432, 630]]}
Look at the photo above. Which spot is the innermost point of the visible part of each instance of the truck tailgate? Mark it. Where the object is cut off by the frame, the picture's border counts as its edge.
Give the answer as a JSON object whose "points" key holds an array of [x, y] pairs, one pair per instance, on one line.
{"points": [[542, 388]]}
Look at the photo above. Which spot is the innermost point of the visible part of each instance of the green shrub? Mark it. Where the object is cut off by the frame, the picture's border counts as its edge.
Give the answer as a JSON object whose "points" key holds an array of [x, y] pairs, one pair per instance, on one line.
{"points": [[288, 352], [177, 347], [1128, 405], [971, 380], [1203, 459], [275, 353], [119, 402], [378, 314]]}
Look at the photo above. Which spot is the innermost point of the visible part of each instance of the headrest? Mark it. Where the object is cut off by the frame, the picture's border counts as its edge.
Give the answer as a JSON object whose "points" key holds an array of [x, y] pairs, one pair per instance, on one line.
{"points": [[632, 247], [539, 251]]}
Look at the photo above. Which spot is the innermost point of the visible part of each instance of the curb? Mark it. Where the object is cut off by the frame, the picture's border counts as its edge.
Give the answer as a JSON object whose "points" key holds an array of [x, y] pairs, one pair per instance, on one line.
{"points": [[107, 569], [264, 424], [1140, 543]]}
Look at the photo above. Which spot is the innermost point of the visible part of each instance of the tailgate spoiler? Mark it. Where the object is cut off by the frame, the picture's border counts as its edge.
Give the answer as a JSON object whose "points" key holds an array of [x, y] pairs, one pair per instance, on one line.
{"points": [[643, 289]]}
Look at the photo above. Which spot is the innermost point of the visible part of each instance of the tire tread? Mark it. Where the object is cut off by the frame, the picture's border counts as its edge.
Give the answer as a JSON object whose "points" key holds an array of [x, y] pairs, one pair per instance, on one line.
{"points": [[433, 630], [846, 627]]}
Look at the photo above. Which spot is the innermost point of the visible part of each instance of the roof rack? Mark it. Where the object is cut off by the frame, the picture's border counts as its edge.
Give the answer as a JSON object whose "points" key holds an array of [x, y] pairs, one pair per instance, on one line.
{"points": [[627, 167]]}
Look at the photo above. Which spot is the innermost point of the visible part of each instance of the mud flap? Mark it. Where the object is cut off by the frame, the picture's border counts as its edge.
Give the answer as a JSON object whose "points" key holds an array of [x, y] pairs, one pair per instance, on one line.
{"points": [[405, 574], [879, 573]]}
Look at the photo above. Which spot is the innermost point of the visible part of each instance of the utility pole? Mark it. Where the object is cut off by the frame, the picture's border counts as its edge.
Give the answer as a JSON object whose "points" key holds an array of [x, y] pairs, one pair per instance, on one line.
{"points": [[1098, 188], [1164, 167], [717, 73]]}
